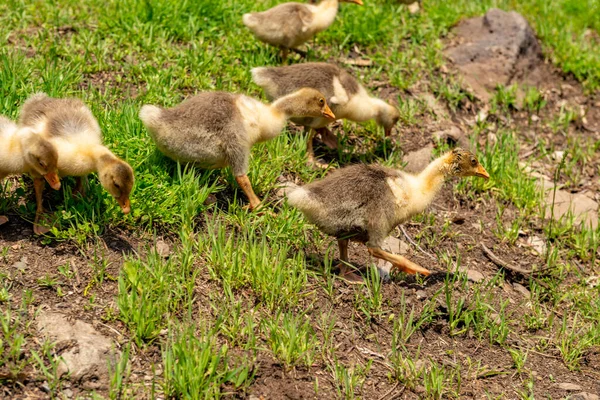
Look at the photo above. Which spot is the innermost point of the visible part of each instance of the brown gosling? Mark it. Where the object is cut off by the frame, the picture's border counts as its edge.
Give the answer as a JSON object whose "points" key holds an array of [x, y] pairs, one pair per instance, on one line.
{"points": [[71, 127], [364, 203], [289, 25], [218, 129], [347, 98], [22, 151]]}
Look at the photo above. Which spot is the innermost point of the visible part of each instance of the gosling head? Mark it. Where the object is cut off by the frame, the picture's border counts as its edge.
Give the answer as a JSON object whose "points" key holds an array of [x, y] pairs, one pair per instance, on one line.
{"points": [[116, 176], [388, 117], [305, 102], [464, 163], [42, 157]]}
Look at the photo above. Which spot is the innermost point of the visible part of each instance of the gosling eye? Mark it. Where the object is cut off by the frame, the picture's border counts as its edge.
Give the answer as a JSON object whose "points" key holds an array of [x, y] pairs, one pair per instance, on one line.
{"points": [[117, 185], [473, 162], [321, 101], [42, 164]]}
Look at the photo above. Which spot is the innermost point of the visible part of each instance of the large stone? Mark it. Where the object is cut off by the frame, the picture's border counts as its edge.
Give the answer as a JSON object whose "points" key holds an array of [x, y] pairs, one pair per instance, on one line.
{"points": [[496, 49], [84, 352], [416, 161], [562, 204]]}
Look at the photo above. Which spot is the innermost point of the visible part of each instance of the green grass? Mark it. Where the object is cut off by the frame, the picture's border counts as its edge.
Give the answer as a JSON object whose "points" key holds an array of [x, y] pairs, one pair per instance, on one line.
{"points": [[241, 291]]}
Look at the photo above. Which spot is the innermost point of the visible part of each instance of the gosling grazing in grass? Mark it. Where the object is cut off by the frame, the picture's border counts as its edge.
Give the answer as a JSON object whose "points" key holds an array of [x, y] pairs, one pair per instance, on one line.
{"points": [[24, 151], [346, 96], [289, 25], [71, 127], [218, 129], [365, 203]]}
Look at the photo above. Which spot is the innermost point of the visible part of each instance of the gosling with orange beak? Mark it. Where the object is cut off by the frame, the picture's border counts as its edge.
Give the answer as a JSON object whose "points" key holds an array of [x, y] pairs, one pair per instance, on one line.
{"points": [[364, 203], [289, 25], [24, 151], [218, 129], [71, 127], [346, 96]]}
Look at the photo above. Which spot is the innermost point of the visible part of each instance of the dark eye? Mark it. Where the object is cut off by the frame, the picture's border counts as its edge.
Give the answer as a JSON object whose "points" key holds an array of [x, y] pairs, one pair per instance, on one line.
{"points": [[321, 101], [473, 162], [117, 185], [42, 164]]}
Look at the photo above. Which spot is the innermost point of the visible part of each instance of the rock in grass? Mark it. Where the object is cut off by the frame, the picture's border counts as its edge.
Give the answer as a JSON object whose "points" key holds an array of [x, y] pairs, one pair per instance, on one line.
{"points": [[82, 351], [497, 49]]}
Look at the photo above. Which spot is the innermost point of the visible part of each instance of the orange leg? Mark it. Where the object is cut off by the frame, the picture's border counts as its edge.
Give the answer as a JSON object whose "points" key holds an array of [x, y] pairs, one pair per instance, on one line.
{"points": [[244, 183], [399, 262], [38, 186], [346, 271]]}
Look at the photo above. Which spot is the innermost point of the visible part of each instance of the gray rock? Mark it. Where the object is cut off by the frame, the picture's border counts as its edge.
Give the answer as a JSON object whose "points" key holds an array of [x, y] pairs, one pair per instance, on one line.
{"points": [[86, 352], [416, 161], [392, 245], [562, 204], [569, 387], [395, 245], [421, 294], [498, 48], [162, 248], [454, 135], [584, 396], [522, 289], [475, 276]]}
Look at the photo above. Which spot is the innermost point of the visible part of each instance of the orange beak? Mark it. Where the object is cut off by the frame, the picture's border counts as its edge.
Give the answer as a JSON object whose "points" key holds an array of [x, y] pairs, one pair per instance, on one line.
{"points": [[481, 172], [125, 204], [328, 113], [359, 2], [53, 179]]}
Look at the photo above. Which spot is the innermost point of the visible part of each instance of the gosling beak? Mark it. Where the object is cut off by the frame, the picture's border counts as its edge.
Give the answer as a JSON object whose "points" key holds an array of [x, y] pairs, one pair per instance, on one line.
{"points": [[328, 113], [481, 172], [359, 2], [125, 204], [53, 180], [388, 131]]}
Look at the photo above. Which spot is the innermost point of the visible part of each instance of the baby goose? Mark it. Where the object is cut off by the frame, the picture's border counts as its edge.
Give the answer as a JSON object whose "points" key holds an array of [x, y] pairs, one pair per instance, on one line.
{"points": [[365, 203], [24, 151], [347, 97], [289, 25], [217, 129], [71, 127]]}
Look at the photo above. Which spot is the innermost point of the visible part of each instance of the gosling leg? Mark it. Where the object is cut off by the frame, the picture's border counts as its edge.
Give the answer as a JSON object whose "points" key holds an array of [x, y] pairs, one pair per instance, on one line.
{"points": [[346, 272], [79, 189], [310, 150], [398, 262], [38, 186], [329, 138], [246, 186], [3, 218]]}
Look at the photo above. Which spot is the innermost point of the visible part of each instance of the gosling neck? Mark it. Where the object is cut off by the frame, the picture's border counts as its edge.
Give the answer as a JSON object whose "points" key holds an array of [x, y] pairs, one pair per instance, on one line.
{"points": [[432, 178], [325, 14], [286, 107]]}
